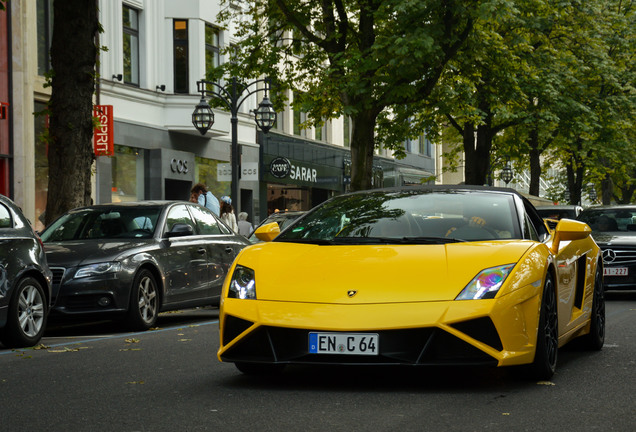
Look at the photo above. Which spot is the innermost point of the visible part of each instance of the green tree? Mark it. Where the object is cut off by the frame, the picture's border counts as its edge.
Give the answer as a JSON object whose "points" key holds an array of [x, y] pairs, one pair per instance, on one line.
{"points": [[73, 60], [357, 58]]}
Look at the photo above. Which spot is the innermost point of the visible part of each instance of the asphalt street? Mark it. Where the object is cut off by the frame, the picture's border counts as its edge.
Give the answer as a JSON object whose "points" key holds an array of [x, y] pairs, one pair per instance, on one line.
{"points": [[96, 378]]}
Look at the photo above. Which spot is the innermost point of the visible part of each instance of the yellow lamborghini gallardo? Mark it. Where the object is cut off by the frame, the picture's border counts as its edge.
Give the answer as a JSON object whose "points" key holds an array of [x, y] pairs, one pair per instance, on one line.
{"points": [[431, 275]]}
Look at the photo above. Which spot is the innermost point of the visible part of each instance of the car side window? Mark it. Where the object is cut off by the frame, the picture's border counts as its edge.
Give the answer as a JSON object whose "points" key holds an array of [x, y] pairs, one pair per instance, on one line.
{"points": [[179, 214], [205, 220], [5, 217]]}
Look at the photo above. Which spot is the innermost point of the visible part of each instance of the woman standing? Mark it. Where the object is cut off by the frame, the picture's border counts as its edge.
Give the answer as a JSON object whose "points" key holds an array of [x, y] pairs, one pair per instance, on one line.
{"points": [[227, 213]]}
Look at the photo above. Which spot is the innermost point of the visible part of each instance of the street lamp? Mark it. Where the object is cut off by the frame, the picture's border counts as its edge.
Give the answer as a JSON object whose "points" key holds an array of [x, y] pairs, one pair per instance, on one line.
{"points": [[592, 192], [233, 96], [506, 172]]}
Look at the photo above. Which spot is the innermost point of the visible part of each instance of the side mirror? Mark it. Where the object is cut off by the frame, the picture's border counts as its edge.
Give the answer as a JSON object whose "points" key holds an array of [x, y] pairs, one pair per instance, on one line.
{"points": [[180, 230], [268, 232], [568, 230]]}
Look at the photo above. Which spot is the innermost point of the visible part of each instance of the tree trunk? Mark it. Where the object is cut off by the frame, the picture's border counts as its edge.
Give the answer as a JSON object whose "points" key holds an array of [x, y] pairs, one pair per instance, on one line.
{"points": [[70, 147], [477, 153], [607, 190], [362, 147]]}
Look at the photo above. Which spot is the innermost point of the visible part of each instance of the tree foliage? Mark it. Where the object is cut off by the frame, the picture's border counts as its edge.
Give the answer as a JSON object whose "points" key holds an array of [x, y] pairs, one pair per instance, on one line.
{"points": [[359, 58]]}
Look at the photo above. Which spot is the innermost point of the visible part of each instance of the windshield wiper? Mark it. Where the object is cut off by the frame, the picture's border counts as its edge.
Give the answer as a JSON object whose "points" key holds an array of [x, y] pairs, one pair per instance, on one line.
{"points": [[393, 240]]}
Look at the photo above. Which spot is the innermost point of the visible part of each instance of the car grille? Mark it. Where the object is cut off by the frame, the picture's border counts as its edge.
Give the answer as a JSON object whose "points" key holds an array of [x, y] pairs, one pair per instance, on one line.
{"points": [[58, 274], [618, 256], [420, 346]]}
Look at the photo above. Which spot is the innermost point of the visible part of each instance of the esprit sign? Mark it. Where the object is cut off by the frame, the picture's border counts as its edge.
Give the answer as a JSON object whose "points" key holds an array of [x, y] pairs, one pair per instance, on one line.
{"points": [[103, 136]]}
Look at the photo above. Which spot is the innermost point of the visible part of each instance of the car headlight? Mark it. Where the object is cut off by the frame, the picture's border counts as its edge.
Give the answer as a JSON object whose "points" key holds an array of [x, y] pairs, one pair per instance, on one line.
{"points": [[242, 284], [486, 284], [97, 269]]}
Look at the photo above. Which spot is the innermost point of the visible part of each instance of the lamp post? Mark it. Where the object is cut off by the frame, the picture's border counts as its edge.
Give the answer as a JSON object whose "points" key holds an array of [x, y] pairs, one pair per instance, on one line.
{"points": [[232, 96], [506, 172], [592, 192]]}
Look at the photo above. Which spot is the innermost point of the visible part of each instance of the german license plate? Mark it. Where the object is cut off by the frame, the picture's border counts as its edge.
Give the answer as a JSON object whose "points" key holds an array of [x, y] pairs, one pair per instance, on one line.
{"points": [[344, 343], [615, 271]]}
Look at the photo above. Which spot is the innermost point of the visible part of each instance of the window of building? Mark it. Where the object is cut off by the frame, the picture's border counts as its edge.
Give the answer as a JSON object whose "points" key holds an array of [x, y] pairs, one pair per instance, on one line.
{"points": [[45, 34], [128, 174], [130, 23], [180, 41], [41, 162], [425, 146], [212, 48], [299, 118], [321, 132], [346, 131]]}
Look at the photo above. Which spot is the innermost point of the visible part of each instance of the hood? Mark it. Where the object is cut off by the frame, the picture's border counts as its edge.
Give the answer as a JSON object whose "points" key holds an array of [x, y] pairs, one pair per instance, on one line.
{"points": [[76, 253], [379, 273], [615, 238]]}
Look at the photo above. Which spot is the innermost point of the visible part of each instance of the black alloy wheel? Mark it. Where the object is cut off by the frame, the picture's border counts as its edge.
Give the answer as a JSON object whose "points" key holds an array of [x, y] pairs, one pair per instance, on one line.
{"points": [[595, 339], [547, 347]]}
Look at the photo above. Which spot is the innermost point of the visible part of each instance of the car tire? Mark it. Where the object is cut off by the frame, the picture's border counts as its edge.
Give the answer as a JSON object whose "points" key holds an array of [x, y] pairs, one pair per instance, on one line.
{"points": [[144, 302], [547, 346], [595, 339], [27, 314], [259, 368]]}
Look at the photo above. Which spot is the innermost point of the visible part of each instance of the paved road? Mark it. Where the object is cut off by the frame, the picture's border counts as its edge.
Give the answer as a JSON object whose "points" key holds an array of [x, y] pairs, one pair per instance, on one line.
{"points": [[94, 378]]}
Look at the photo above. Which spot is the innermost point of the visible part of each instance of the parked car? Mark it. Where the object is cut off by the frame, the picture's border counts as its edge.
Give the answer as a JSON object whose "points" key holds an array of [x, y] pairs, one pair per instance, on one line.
{"points": [[614, 229], [554, 213], [133, 260], [25, 279], [414, 275], [282, 218]]}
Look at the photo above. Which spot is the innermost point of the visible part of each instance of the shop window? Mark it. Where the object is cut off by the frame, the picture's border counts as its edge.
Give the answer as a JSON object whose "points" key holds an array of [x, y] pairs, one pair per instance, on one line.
{"points": [[128, 174], [181, 59], [130, 24], [206, 171]]}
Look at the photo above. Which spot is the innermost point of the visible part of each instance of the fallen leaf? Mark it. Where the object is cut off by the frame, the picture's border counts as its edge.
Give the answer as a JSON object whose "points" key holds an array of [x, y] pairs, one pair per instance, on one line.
{"points": [[505, 414], [184, 340], [546, 383], [135, 382], [132, 340], [130, 349], [41, 347]]}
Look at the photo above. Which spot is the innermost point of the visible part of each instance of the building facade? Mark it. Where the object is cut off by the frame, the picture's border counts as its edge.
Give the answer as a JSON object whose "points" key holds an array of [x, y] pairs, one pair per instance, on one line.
{"points": [[154, 53]]}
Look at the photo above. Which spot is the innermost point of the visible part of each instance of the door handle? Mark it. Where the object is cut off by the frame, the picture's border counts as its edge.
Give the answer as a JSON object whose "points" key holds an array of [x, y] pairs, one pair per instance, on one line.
{"points": [[201, 251], [229, 250]]}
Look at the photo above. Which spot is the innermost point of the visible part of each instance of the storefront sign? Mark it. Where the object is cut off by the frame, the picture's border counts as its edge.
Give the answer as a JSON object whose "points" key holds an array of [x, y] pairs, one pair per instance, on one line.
{"points": [[280, 167], [249, 171], [103, 135], [224, 172], [179, 166]]}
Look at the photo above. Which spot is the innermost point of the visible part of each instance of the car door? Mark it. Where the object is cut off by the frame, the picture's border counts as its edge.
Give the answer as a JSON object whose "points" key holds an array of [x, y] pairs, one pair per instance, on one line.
{"points": [[222, 246], [185, 259]]}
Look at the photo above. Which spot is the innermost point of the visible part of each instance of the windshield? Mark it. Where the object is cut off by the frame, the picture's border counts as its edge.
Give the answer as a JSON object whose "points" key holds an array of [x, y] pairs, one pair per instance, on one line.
{"points": [[102, 223], [418, 216], [610, 219]]}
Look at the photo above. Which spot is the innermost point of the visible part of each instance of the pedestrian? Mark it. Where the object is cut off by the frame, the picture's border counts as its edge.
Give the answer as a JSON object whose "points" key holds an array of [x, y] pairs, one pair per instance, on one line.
{"points": [[244, 226], [227, 213], [199, 193]]}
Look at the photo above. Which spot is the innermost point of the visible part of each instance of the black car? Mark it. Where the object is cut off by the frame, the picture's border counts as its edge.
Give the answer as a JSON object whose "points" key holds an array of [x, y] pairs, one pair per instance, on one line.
{"points": [[614, 229], [25, 279], [282, 218], [134, 260], [554, 213]]}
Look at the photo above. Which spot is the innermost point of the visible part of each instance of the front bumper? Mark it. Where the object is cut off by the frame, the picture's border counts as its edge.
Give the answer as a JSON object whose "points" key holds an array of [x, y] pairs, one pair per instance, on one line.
{"points": [[107, 294], [479, 332]]}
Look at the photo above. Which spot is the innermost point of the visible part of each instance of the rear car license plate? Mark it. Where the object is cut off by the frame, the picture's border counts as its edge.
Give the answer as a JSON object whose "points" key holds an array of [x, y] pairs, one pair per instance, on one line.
{"points": [[344, 343], [615, 271]]}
